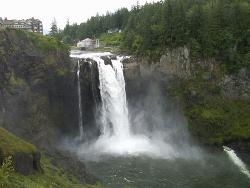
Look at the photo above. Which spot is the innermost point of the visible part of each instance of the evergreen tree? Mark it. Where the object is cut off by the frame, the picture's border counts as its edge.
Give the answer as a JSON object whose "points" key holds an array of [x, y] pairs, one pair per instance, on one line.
{"points": [[53, 30]]}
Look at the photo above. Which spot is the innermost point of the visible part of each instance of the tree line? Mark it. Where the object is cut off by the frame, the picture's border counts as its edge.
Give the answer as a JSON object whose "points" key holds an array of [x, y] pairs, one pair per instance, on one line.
{"points": [[209, 28], [93, 28]]}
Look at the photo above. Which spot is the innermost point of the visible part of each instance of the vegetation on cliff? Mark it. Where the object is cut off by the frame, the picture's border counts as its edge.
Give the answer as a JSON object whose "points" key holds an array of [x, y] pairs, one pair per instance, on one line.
{"points": [[212, 117], [52, 176], [38, 104], [36, 78], [214, 28], [94, 27]]}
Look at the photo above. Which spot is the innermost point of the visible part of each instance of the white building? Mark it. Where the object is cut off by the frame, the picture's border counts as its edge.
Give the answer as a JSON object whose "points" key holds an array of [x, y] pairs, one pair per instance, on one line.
{"points": [[32, 25], [114, 30], [88, 43]]}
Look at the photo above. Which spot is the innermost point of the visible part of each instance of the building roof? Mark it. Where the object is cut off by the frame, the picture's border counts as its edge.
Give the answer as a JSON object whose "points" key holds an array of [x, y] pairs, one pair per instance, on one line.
{"points": [[87, 39]]}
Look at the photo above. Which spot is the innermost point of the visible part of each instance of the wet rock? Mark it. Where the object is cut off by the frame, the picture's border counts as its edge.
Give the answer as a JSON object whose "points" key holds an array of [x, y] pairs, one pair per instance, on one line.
{"points": [[131, 70], [107, 60], [91, 99], [113, 57], [27, 163]]}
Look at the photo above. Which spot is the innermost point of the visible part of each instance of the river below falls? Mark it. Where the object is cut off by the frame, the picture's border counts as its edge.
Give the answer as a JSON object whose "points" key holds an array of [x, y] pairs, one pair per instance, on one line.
{"points": [[212, 170]]}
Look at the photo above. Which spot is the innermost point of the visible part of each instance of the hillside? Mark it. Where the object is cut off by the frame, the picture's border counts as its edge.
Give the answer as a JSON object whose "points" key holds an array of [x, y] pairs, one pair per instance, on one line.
{"points": [[38, 104], [16, 153]]}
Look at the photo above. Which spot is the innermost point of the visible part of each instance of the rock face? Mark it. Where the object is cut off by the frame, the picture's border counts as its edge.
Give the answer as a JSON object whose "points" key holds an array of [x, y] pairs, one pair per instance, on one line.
{"points": [[216, 103], [90, 93], [237, 86], [176, 65], [132, 76], [38, 96], [25, 156], [27, 164]]}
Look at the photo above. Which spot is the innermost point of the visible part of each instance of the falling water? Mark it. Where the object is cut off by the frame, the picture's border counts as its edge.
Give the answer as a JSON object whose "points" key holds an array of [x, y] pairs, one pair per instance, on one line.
{"points": [[79, 100], [114, 110], [237, 161], [117, 131], [116, 134]]}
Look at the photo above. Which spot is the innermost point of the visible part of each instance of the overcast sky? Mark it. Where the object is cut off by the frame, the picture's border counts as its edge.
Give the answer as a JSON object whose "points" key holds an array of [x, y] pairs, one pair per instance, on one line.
{"points": [[76, 11]]}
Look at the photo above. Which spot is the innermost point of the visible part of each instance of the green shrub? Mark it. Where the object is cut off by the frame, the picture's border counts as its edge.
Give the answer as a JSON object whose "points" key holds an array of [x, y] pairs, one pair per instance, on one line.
{"points": [[5, 172]]}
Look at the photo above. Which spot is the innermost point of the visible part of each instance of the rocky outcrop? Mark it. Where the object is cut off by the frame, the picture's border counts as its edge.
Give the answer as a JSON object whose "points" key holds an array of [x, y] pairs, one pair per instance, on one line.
{"points": [[38, 96], [236, 86], [174, 64], [25, 157], [27, 163], [90, 93], [215, 102], [131, 69]]}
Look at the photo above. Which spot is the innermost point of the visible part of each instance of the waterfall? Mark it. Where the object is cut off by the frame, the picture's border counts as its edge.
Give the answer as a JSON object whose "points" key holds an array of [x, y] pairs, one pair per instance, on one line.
{"points": [[117, 132], [236, 160], [114, 111], [79, 100]]}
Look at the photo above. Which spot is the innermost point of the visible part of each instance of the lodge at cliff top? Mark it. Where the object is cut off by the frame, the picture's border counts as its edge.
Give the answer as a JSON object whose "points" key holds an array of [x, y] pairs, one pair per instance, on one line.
{"points": [[32, 24]]}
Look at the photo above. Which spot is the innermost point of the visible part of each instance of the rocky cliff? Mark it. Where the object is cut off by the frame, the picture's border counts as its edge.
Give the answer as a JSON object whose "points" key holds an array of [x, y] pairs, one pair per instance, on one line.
{"points": [[216, 103], [37, 91], [38, 101]]}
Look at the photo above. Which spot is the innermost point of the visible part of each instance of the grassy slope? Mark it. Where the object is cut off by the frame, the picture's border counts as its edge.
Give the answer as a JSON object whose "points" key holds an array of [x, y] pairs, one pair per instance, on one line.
{"points": [[111, 39], [10, 144], [52, 176], [110, 42]]}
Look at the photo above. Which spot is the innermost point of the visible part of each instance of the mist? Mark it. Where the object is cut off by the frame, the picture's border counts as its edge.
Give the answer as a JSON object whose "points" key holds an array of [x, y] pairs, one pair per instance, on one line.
{"points": [[146, 123]]}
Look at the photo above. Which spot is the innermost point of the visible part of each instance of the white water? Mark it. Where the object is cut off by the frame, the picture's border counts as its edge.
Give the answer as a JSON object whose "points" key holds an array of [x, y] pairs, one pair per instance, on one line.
{"points": [[237, 161], [114, 104], [117, 136], [79, 100]]}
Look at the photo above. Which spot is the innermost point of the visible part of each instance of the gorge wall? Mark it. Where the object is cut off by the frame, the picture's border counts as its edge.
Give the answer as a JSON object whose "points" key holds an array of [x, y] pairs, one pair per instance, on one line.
{"points": [[38, 103], [215, 103], [37, 90]]}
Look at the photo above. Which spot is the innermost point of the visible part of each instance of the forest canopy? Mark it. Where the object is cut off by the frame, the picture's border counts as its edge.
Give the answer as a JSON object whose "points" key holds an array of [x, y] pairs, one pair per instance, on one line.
{"points": [[209, 28]]}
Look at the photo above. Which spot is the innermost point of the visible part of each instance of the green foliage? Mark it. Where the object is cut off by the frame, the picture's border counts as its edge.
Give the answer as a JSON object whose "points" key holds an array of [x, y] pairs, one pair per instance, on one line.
{"points": [[213, 118], [10, 144], [52, 177], [45, 43], [95, 26], [53, 30], [214, 28], [14, 81], [5, 172], [111, 39]]}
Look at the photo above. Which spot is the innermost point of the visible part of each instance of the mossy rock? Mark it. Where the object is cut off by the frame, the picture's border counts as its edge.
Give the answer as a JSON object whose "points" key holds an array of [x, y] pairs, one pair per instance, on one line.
{"points": [[10, 144]]}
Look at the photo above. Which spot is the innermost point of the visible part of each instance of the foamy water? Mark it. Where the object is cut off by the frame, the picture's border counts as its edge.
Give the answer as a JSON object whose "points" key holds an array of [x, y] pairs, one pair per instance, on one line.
{"points": [[116, 136], [237, 161]]}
